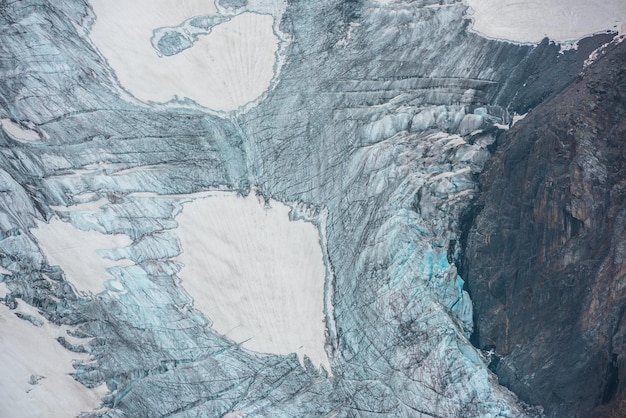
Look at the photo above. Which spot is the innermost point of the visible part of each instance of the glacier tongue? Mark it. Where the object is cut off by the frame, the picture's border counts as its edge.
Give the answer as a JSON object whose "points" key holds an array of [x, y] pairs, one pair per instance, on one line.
{"points": [[379, 117]]}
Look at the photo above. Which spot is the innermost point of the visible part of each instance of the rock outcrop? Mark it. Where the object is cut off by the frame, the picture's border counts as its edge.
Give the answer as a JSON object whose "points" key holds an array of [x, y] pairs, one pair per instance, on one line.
{"points": [[545, 252]]}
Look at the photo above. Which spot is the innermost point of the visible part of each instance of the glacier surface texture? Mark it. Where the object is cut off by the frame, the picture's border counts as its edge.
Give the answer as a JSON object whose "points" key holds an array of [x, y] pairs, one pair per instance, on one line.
{"points": [[261, 209]]}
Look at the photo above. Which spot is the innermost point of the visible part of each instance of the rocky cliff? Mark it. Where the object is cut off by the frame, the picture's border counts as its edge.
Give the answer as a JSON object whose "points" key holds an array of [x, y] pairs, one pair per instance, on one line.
{"points": [[544, 256]]}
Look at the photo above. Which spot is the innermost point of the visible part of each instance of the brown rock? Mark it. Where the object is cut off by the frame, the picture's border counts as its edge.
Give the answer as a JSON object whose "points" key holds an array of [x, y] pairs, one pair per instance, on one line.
{"points": [[545, 256]]}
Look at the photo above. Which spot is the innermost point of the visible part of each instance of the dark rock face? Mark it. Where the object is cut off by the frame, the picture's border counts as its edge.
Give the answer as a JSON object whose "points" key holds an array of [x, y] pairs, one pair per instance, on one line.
{"points": [[544, 256]]}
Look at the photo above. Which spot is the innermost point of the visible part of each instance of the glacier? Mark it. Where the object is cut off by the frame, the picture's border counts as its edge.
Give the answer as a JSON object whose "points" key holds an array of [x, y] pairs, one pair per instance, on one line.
{"points": [[372, 123], [230, 68]]}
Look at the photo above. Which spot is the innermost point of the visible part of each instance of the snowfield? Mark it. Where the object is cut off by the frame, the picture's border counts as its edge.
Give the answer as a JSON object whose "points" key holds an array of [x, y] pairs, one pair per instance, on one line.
{"points": [[562, 21]]}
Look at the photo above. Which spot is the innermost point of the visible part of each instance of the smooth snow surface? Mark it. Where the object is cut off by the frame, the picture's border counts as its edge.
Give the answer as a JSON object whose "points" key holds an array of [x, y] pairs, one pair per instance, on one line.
{"points": [[18, 133], [559, 20], [4, 290], [76, 252], [258, 276], [226, 69], [35, 380]]}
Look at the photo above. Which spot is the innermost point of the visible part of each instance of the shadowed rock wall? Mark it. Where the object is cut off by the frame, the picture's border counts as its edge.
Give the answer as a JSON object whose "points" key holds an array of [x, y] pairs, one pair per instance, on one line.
{"points": [[544, 258]]}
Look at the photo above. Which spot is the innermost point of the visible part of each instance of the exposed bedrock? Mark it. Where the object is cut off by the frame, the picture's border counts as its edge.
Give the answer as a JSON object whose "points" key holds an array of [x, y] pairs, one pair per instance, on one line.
{"points": [[544, 258]]}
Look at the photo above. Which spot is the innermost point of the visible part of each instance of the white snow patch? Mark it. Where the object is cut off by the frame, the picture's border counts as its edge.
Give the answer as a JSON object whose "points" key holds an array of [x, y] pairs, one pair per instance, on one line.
{"points": [[598, 52], [4, 290], [455, 141], [27, 352], [562, 21], [19, 133], [501, 126], [258, 276], [222, 71], [76, 252], [517, 118]]}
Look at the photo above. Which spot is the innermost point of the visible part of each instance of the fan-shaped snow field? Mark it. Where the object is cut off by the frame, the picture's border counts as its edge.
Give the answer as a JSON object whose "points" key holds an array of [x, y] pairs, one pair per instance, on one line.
{"points": [[35, 378], [227, 65], [258, 276]]}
